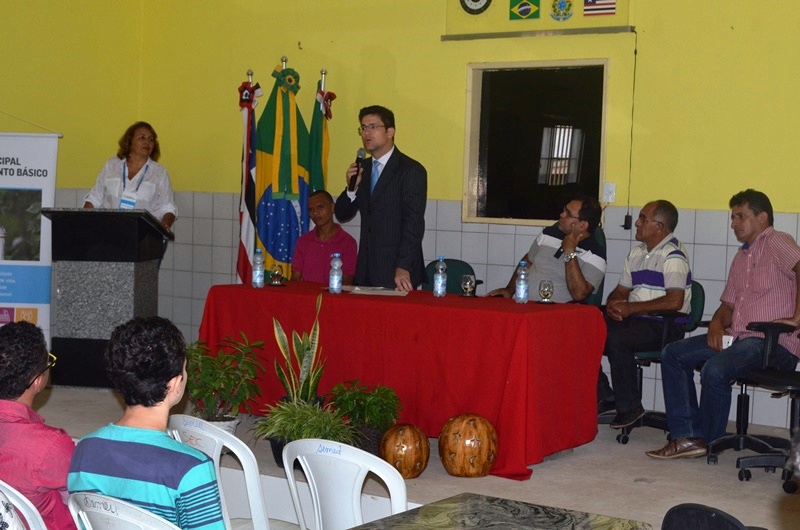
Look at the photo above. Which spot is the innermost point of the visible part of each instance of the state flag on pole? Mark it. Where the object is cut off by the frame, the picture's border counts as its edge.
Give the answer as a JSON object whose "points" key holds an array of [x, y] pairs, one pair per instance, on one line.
{"points": [[319, 142], [247, 202], [599, 7], [281, 172]]}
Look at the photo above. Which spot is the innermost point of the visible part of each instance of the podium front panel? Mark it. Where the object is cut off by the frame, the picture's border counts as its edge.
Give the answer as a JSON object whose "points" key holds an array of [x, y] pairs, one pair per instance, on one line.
{"points": [[92, 297]]}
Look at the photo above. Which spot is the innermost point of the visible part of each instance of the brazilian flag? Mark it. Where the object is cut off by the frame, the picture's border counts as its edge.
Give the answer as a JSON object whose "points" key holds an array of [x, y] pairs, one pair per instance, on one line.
{"points": [[281, 172], [523, 9]]}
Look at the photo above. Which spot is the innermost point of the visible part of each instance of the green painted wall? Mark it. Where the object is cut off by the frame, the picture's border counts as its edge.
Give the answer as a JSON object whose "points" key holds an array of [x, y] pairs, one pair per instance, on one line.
{"points": [[714, 99]]}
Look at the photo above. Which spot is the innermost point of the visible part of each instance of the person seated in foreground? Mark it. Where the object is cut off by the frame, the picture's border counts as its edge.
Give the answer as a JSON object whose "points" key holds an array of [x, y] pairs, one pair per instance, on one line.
{"points": [[763, 285], [34, 457], [656, 277], [134, 459], [314, 249], [565, 253]]}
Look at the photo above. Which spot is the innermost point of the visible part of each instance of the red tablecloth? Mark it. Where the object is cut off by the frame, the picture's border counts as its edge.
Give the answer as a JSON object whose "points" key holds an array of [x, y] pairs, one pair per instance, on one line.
{"points": [[529, 369]]}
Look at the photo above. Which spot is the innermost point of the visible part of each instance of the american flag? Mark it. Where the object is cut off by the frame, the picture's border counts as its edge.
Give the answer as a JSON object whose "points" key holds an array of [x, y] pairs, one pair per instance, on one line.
{"points": [[599, 7]]}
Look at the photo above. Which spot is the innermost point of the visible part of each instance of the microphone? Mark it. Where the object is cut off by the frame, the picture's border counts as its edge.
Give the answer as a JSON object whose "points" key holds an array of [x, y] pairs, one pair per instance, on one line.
{"points": [[359, 159]]}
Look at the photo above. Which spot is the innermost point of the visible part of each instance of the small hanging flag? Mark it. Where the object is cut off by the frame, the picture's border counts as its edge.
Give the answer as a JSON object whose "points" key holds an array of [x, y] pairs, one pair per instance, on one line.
{"points": [[599, 7]]}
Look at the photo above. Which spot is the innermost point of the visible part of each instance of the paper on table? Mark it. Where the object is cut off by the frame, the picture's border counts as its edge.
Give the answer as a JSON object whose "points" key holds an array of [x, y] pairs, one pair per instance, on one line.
{"points": [[378, 291]]}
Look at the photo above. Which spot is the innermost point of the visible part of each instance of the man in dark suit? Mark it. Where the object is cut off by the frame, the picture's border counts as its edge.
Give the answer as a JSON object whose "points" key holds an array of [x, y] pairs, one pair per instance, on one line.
{"points": [[390, 194]]}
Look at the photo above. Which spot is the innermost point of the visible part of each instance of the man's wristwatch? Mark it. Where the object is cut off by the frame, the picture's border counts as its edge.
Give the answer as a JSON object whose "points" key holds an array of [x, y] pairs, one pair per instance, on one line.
{"points": [[569, 257]]}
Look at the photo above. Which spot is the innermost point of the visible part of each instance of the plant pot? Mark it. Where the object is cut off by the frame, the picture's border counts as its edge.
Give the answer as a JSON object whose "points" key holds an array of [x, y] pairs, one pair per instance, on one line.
{"points": [[277, 445], [228, 426], [370, 439]]}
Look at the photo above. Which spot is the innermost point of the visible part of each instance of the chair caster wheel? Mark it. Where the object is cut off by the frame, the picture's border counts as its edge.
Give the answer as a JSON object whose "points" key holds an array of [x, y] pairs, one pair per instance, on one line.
{"points": [[712, 459], [790, 486], [622, 438], [745, 474]]}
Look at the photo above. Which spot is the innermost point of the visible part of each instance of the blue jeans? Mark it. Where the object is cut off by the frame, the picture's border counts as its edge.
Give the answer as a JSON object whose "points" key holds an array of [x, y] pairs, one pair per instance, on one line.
{"points": [[685, 418]]}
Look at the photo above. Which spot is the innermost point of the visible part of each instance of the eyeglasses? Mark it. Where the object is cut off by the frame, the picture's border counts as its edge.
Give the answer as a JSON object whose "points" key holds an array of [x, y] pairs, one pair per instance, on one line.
{"points": [[51, 362], [364, 128], [145, 138], [569, 214], [643, 220]]}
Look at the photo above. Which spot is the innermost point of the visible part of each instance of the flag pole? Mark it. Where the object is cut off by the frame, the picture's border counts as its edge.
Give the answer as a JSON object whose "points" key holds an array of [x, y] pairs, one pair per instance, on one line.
{"points": [[250, 75], [322, 74], [284, 60]]}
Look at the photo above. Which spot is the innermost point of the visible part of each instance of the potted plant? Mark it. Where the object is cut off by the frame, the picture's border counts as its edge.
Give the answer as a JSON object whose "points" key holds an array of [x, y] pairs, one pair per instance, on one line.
{"points": [[218, 386], [294, 420], [370, 410], [300, 413], [302, 365]]}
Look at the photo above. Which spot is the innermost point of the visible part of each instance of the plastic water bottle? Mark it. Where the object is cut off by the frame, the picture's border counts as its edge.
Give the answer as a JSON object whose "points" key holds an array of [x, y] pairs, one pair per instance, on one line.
{"points": [[440, 278], [335, 276], [258, 269], [521, 292]]}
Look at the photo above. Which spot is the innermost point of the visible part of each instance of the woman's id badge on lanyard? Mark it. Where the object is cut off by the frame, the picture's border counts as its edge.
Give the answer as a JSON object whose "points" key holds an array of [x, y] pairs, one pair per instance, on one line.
{"points": [[128, 200]]}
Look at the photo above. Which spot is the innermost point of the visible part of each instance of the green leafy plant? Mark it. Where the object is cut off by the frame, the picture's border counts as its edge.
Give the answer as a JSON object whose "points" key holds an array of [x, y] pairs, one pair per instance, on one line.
{"points": [[295, 420], [302, 365], [364, 406], [219, 386]]}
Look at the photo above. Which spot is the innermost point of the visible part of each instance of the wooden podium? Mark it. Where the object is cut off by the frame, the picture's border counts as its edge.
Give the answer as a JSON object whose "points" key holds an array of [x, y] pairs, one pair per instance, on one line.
{"points": [[105, 272]]}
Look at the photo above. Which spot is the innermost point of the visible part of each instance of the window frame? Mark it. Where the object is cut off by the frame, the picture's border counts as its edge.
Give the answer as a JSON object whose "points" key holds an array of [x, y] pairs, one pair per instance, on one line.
{"points": [[473, 177]]}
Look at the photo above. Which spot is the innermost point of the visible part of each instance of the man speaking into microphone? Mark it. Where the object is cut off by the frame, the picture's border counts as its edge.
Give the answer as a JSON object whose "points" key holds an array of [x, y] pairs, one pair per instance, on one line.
{"points": [[389, 189]]}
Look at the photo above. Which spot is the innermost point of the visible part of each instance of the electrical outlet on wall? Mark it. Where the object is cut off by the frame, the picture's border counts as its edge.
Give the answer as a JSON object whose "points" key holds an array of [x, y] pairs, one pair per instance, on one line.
{"points": [[609, 192]]}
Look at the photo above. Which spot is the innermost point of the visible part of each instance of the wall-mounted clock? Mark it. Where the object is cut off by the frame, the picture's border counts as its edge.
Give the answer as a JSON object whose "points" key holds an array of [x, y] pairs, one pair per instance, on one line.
{"points": [[475, 7]]}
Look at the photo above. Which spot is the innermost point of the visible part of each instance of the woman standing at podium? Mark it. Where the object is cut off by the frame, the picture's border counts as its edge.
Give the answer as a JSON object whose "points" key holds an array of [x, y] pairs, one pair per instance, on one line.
{"points": [[134, 178]]}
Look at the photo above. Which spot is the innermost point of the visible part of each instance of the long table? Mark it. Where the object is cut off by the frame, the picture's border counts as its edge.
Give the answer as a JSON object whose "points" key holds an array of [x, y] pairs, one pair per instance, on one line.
{"points": [[530, 369]]}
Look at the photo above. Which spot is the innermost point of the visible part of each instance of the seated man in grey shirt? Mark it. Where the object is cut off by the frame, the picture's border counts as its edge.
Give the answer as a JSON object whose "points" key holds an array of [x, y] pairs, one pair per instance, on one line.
{"points": [[567, 254]]}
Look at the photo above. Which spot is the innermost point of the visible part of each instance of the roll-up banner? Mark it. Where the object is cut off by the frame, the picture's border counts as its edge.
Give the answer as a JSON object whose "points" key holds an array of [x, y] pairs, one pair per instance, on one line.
{"points": [[27, 184]]}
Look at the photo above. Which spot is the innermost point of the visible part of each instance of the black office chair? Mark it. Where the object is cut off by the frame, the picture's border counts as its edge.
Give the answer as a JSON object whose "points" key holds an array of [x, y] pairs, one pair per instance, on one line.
{"points": [[456, 268], [691, 516], [772, 452], [671, 320]]}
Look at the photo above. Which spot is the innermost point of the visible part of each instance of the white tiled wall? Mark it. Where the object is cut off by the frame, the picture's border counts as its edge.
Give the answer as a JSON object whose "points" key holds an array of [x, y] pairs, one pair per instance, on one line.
{"points": [[206, 239]]}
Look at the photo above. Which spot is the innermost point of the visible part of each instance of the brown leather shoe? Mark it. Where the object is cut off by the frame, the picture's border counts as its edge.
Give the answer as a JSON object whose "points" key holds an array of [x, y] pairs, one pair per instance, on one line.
{"points": [[680, 448]]}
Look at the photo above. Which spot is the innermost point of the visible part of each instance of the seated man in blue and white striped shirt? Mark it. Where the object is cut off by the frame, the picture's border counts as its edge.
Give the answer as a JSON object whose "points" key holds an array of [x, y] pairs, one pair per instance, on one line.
{"points": [[656, 278], [134, 459]]}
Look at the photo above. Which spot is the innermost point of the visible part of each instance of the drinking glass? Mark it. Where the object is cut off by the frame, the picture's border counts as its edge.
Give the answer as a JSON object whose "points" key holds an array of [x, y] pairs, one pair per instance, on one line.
{"points": [[276, 274], [546, 290], [468, 284]]}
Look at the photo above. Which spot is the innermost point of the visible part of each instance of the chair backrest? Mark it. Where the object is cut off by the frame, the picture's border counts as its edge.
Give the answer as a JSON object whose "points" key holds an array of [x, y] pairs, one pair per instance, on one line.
{"points": [[93, 511], [699, 517], [456, 268], [596, 297], [336, 473], [696, 307], [23, 507], [210, 439]]}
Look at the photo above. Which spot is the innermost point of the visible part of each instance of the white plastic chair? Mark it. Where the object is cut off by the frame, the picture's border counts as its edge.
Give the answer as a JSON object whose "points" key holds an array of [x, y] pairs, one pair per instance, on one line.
{"points": [[210, 439], [93, 511], [24, 508], [336, 473]]}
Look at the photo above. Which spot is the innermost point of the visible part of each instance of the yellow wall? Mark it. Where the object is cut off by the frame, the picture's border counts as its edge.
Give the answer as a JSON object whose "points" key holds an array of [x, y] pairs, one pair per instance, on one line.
{"points": [[714, 105]]}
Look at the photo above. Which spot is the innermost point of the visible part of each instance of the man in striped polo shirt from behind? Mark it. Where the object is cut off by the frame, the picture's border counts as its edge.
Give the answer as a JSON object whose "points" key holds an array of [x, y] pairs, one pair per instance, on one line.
{"points": [[134, 459], [763, 285], [656, 278]]}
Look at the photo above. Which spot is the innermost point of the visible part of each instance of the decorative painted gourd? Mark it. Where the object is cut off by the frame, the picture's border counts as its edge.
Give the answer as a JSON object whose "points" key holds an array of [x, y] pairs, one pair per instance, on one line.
{"points": [[468, 446], [407, 448]]}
